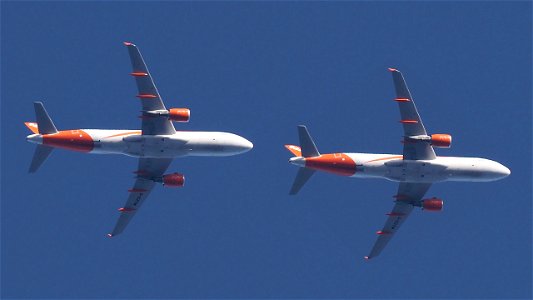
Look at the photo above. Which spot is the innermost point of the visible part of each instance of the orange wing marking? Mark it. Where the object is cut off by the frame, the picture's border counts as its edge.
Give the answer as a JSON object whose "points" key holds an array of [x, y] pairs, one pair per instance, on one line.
{"points": [[409, 121], [386, 158], [124, 133]]}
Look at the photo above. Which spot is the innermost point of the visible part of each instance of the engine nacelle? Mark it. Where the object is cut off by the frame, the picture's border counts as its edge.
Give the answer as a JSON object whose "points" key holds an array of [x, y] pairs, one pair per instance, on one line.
{"points": [[173, 180], [433, 204], [441, 140], [179, 114]]}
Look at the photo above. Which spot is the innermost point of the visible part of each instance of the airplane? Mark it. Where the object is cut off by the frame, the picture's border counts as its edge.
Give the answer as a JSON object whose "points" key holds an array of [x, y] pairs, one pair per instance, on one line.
{"points": [[415, 170], [156, 144]]}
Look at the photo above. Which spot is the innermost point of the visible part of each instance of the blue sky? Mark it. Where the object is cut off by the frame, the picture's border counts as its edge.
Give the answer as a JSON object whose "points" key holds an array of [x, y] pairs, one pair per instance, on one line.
{"points": [[259, 69]]}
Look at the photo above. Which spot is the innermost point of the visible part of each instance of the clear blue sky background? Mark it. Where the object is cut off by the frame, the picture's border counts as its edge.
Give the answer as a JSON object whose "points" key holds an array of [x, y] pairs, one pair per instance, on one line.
{"points": [[259, 69]]}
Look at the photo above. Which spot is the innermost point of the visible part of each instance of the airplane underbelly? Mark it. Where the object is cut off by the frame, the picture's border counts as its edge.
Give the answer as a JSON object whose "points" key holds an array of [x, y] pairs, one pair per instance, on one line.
{"points": [[154, 147], [415, 171]]}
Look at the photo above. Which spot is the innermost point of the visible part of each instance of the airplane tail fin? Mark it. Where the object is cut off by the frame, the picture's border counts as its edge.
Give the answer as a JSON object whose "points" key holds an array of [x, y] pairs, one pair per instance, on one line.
{"points": [[39, 156], [44, 123], [307, 149], [307, 144]]}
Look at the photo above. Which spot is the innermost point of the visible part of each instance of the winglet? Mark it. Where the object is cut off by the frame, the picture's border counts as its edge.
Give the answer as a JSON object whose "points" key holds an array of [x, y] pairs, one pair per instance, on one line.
{"points": [[367, 258], [129, 44], [109, 235], [393, 70]]}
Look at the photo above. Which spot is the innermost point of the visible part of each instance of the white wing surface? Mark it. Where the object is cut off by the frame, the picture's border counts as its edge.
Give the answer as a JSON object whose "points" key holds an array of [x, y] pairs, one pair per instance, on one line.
{"points": [[150, 170], [148, 95], [409, 195], [411, 121]]}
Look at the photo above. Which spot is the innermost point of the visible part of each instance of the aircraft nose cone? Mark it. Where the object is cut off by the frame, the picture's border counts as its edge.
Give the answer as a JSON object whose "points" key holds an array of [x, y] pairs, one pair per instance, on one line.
{"points": [[500, 171], [247, 145], [241, 145], [505, 171]]}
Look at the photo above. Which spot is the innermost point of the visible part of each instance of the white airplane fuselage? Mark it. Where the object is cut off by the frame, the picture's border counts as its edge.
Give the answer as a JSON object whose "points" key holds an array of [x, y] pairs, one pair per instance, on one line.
{"points": [[395, 168], [133, 143]]}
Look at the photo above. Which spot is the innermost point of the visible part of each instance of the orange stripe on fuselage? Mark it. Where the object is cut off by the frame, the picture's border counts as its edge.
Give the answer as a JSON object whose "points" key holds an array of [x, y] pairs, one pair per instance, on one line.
{"points": [[124, 133], [76, 140], [386, 158], [337, 163]]}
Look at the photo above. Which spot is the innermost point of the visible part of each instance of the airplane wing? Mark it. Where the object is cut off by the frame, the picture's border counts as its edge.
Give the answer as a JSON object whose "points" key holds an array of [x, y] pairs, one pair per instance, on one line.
{"points": [[149, 169], [149, 96], [409, 195], [411, 121]]}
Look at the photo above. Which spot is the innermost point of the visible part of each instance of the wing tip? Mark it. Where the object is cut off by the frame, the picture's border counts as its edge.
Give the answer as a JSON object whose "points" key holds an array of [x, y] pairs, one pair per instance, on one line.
{"points": [[367, 258], [129, 44], [110, 235], [393, 70]]}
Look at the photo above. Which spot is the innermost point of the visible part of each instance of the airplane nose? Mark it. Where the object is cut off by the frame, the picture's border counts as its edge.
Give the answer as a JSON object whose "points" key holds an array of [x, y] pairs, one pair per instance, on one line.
{"points": [[500, 171], [241, 145], [505, 171], [247, 144]]}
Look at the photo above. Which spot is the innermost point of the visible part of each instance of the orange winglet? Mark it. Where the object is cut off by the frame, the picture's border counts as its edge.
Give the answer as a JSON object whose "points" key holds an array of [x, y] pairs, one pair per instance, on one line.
{"points": [[402, 99], [297, 151], [138, 74], [136, 190], [409, 121], [146, 96], [32, 126], [382, 232]]}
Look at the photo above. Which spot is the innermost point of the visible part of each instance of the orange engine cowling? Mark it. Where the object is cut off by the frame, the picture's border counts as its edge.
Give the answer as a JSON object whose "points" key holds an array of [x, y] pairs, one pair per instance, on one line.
{"points": [[173, 180], [179, 114], [441, 140], [433, 204]]}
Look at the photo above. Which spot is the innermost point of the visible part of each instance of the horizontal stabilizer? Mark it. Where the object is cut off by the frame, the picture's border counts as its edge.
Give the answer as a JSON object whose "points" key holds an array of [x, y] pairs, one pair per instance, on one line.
{"points": [[295, 150], [39, 156], [302, 177], [306, 143], [32, 126], [44, 123]]}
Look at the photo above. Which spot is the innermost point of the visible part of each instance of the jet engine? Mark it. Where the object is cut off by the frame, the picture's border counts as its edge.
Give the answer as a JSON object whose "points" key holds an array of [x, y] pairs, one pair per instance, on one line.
{"points": [[173, 180], [441, 140], [433, 204], [179, 114]]}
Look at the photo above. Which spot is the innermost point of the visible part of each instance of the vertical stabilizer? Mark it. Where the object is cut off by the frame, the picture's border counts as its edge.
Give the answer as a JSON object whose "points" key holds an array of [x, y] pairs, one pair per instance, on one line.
{"points": [[44, 123], [306, 143], [39, 156]]}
